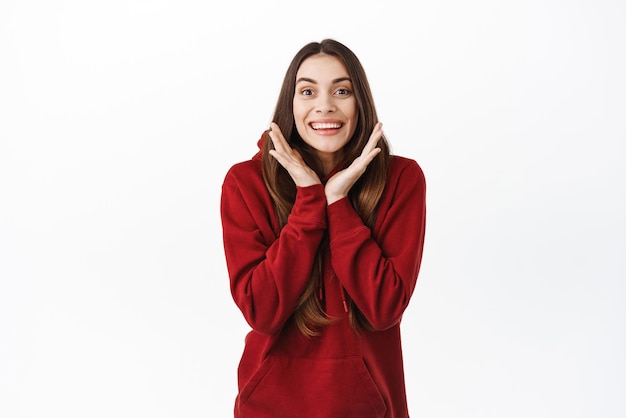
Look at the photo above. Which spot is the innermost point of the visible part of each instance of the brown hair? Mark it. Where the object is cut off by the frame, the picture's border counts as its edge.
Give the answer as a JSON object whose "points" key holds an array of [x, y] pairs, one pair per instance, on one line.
{"points": [[364, 195]]}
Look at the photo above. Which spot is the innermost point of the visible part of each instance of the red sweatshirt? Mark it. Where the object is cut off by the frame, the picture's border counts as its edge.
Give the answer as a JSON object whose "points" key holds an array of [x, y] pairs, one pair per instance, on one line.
{"points": [[338, 374]]}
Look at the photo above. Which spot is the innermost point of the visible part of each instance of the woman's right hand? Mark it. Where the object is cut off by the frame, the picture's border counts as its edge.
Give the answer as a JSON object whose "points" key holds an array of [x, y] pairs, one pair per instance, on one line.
{"points": [[291, 160]]}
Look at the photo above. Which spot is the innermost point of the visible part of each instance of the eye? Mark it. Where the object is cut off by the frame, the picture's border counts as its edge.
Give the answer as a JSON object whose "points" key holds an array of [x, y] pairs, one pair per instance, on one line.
{"points": [[342, 92], [306, 92]]}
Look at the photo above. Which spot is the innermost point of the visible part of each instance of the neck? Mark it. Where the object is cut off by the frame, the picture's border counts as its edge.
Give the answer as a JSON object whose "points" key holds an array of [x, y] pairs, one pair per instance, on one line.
{"points": [[328, 162]]}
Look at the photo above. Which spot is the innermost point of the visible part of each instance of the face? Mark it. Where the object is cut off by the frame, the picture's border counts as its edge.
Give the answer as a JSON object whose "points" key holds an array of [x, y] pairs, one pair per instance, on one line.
{"points": [[324, 107]]}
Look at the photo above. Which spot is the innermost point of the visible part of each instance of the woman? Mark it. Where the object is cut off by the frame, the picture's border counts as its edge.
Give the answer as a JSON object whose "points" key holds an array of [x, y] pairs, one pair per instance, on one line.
{"points": [[323, 236]]}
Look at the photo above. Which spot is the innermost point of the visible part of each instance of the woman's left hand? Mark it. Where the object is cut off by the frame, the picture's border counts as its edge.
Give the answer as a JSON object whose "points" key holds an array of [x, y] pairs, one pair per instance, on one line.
{"points": [[338, 186]]}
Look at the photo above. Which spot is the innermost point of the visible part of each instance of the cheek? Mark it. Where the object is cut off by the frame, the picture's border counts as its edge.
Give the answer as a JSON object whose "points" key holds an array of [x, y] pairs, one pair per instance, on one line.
{"points": [[296, 112], [350, 111], [301, 129], [298, 115], [353, 116]]}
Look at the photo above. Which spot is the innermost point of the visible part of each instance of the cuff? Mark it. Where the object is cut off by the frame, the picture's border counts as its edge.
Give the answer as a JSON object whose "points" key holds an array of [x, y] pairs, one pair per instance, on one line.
{"points": [[310, 204], [343, 218]]}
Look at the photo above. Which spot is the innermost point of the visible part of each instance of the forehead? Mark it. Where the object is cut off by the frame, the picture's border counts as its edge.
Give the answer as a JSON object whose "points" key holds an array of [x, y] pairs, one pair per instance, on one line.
{"points": [[322, 67]]}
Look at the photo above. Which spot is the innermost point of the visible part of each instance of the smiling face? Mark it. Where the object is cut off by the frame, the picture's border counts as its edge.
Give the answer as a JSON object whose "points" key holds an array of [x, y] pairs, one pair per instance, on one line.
{"points": [[324, 107]]}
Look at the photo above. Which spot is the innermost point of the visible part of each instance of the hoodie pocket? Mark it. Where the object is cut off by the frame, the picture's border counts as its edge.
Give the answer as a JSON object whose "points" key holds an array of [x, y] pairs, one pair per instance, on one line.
{"points": [[301, 387]]}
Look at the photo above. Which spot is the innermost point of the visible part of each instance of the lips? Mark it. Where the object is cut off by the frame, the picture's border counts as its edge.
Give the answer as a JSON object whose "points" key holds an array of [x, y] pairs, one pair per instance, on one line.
{"points": [[326, 125]]}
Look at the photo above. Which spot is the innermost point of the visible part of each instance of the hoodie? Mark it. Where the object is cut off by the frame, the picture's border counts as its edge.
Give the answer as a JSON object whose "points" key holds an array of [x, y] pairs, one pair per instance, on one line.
{"points": [[340, 373]]}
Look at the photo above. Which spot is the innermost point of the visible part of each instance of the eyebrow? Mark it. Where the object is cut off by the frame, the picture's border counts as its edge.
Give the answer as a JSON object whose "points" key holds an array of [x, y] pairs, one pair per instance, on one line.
{"points": [[310, 80]]}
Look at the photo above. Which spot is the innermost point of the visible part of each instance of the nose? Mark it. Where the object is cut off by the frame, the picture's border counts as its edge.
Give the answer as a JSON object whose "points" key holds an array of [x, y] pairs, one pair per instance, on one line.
{"points": [[324, 104]]}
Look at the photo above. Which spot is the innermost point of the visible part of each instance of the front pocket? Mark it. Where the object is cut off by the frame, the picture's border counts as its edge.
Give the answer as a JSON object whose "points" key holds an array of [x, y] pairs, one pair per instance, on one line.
{"points": [[312, 388]]}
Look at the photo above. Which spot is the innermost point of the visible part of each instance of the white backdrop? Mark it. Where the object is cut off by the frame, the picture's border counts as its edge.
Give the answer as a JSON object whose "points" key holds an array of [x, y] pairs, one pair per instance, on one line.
{"points": [[119, 119]]}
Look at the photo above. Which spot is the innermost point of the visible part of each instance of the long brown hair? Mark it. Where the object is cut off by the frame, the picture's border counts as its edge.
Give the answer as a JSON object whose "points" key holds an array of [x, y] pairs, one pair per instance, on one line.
{"points": [[364, 195]]}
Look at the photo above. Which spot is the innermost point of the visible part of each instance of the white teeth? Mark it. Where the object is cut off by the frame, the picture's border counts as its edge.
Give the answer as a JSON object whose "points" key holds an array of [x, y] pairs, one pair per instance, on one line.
{"points": [[326, 125]]}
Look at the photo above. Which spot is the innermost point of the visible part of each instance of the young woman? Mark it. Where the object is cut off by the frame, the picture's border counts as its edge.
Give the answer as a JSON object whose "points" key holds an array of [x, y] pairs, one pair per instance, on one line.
{"points": [[323, 236]]}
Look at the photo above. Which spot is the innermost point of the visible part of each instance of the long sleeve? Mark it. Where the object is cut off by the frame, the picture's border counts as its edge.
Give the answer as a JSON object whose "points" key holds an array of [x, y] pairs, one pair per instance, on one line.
{"points": [[379, 269], [268, 273]]}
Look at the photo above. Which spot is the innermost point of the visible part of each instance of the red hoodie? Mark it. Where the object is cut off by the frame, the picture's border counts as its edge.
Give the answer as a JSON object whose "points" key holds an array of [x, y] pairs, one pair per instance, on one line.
{"points": [[338, 374]]}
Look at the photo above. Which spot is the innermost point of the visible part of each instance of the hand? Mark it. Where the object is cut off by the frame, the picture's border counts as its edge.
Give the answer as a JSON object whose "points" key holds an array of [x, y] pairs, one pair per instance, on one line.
{"points": [[291, 160], [338, 186]]}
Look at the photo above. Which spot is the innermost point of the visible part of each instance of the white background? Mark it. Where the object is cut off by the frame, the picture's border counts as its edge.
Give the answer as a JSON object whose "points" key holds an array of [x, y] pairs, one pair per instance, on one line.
{"points": [[119, 119]]}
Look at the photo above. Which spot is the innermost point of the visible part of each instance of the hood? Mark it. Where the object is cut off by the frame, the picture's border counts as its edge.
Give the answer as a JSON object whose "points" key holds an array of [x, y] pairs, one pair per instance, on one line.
{"points": [[259, 144]]}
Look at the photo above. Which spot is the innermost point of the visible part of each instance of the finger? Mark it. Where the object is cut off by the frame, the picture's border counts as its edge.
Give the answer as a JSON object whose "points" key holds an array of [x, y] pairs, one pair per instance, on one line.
{"points": [[371, 149], [372, 142], [277, 138], [282, 151], [278, 156], [297, 156], [365, 159]]}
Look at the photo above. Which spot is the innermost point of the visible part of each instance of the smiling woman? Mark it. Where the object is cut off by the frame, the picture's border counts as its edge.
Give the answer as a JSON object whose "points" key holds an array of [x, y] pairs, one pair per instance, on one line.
{"points": [[323, 235], [324, 107]]}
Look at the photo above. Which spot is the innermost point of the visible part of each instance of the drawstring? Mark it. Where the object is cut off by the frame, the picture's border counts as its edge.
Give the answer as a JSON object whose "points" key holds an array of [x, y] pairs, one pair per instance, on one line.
{"points": [[343, 299], [321, 294]]}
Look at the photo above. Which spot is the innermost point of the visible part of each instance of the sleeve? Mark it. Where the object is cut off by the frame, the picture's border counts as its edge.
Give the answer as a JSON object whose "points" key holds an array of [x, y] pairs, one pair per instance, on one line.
{"points": [[267, 278], [380, 273]]}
